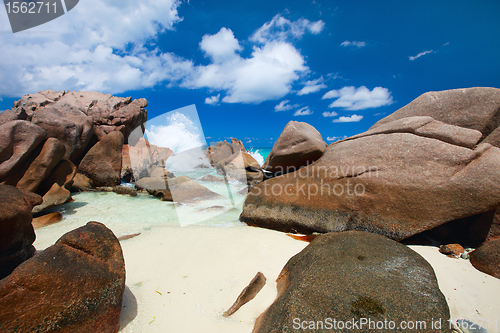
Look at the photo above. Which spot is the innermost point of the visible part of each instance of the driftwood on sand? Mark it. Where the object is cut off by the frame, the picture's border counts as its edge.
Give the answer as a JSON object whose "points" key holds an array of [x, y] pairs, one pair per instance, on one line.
{"points": [[248, 293]]}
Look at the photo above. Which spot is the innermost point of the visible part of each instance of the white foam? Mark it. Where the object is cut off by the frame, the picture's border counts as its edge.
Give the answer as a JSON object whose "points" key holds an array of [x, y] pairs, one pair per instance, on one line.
{"points": [[257, 156], [180, 133]]}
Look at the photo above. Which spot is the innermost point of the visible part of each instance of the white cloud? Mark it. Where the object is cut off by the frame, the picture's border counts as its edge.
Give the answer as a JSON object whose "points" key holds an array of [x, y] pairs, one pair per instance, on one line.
{"points": [[330, 114], [336, 138], [353, 43], [312, 87], [105, 46], [420, 54], [220, 47], [99, 45], [351, 119], [281, 29], [213, 100], [305, 111], [284, 106], [352, 98]]}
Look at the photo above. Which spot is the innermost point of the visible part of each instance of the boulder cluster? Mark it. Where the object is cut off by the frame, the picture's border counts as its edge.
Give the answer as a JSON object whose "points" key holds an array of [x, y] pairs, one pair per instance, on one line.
{"points": [[428, 173]]}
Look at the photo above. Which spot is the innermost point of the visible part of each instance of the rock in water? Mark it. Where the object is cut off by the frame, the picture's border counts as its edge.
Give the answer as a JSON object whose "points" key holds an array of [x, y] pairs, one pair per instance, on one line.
{"points": [[396, 184], [298, 145], [355, 276], [248, 293], [73, 286], [16, 231], [103, 163], [487, 258]]}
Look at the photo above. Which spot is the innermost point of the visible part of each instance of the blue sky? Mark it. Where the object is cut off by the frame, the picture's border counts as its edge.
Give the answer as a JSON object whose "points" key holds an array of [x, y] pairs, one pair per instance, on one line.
{"points": [[252, 66]]}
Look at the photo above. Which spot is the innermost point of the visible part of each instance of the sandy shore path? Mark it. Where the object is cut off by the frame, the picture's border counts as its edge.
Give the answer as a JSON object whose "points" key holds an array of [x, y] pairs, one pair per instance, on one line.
{"points": [[183, 279]]}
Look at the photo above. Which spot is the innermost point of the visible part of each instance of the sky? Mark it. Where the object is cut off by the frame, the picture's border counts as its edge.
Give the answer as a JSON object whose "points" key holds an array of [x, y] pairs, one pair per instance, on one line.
{"points": [[250, 67]]}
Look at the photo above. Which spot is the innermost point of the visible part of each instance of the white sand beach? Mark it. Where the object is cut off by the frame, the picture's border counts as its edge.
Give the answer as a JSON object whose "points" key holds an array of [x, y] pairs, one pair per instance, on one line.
{"points": [[182, 279]]}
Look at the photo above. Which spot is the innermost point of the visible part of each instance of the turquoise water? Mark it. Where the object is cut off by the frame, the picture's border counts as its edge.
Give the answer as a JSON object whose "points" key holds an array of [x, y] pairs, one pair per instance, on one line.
{"points": [[259, 153]]}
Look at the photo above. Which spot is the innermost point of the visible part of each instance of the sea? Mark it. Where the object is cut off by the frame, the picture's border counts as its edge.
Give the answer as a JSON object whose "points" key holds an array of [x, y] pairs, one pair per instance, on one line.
{"points": [[126, 215]]}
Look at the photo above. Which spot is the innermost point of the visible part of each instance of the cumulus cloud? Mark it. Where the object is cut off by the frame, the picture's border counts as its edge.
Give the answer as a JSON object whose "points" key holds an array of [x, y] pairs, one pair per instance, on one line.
{"points": [[99, 45], [105, 46], [353, 43], [305, 111], [352, 98], [312, 87], [330, 114], [220, 47], [284, 106], [420, 54], [282, 29], [212, 100], [350, 119]]}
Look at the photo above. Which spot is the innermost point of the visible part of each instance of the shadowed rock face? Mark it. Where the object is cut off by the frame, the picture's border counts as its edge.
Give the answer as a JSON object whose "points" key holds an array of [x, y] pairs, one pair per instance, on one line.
{"points": [[18, 139], [16, 231], [79, 286], [103, 163], [395, 184], [487, 258], [354, 275], [298, 145]]}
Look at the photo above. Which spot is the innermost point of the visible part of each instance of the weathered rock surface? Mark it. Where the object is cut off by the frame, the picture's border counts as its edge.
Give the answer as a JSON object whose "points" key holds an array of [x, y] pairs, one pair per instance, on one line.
{"points": [[69, 125], [219, 152], [179, 189], [212, 178], [299, 145], [51, 154], [241, 167], [474, 108], [140, 159], [46, 220], [353, 275], [125, 191], [487, 258], [394, 184], [18, 139], [102, 164], [81, 183], [16, 231], [109, 113], [452, 249], [56, 188], [79, 286]]}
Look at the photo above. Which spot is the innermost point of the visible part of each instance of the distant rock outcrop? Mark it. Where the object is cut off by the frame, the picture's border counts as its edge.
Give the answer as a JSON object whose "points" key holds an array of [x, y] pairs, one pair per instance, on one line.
{"points": [[16, 231], [345, 279], [299, 145], [78, 287], [398, 179], [50, 130]]}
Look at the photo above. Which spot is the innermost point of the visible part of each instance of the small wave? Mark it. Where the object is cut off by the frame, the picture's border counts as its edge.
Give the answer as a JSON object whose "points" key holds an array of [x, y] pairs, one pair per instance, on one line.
{"points": [[257, 156]]}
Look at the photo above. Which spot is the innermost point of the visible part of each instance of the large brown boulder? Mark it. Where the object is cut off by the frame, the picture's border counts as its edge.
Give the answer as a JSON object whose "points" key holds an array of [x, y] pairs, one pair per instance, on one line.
{"points": [[474, 108], [395, 184], [78, 287], [218, 152], [51, 154], [109, 113], [69, 125], [18, 139], [299, 145], [16, 231], [487, 258], [352, 279], [103, 163]]}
